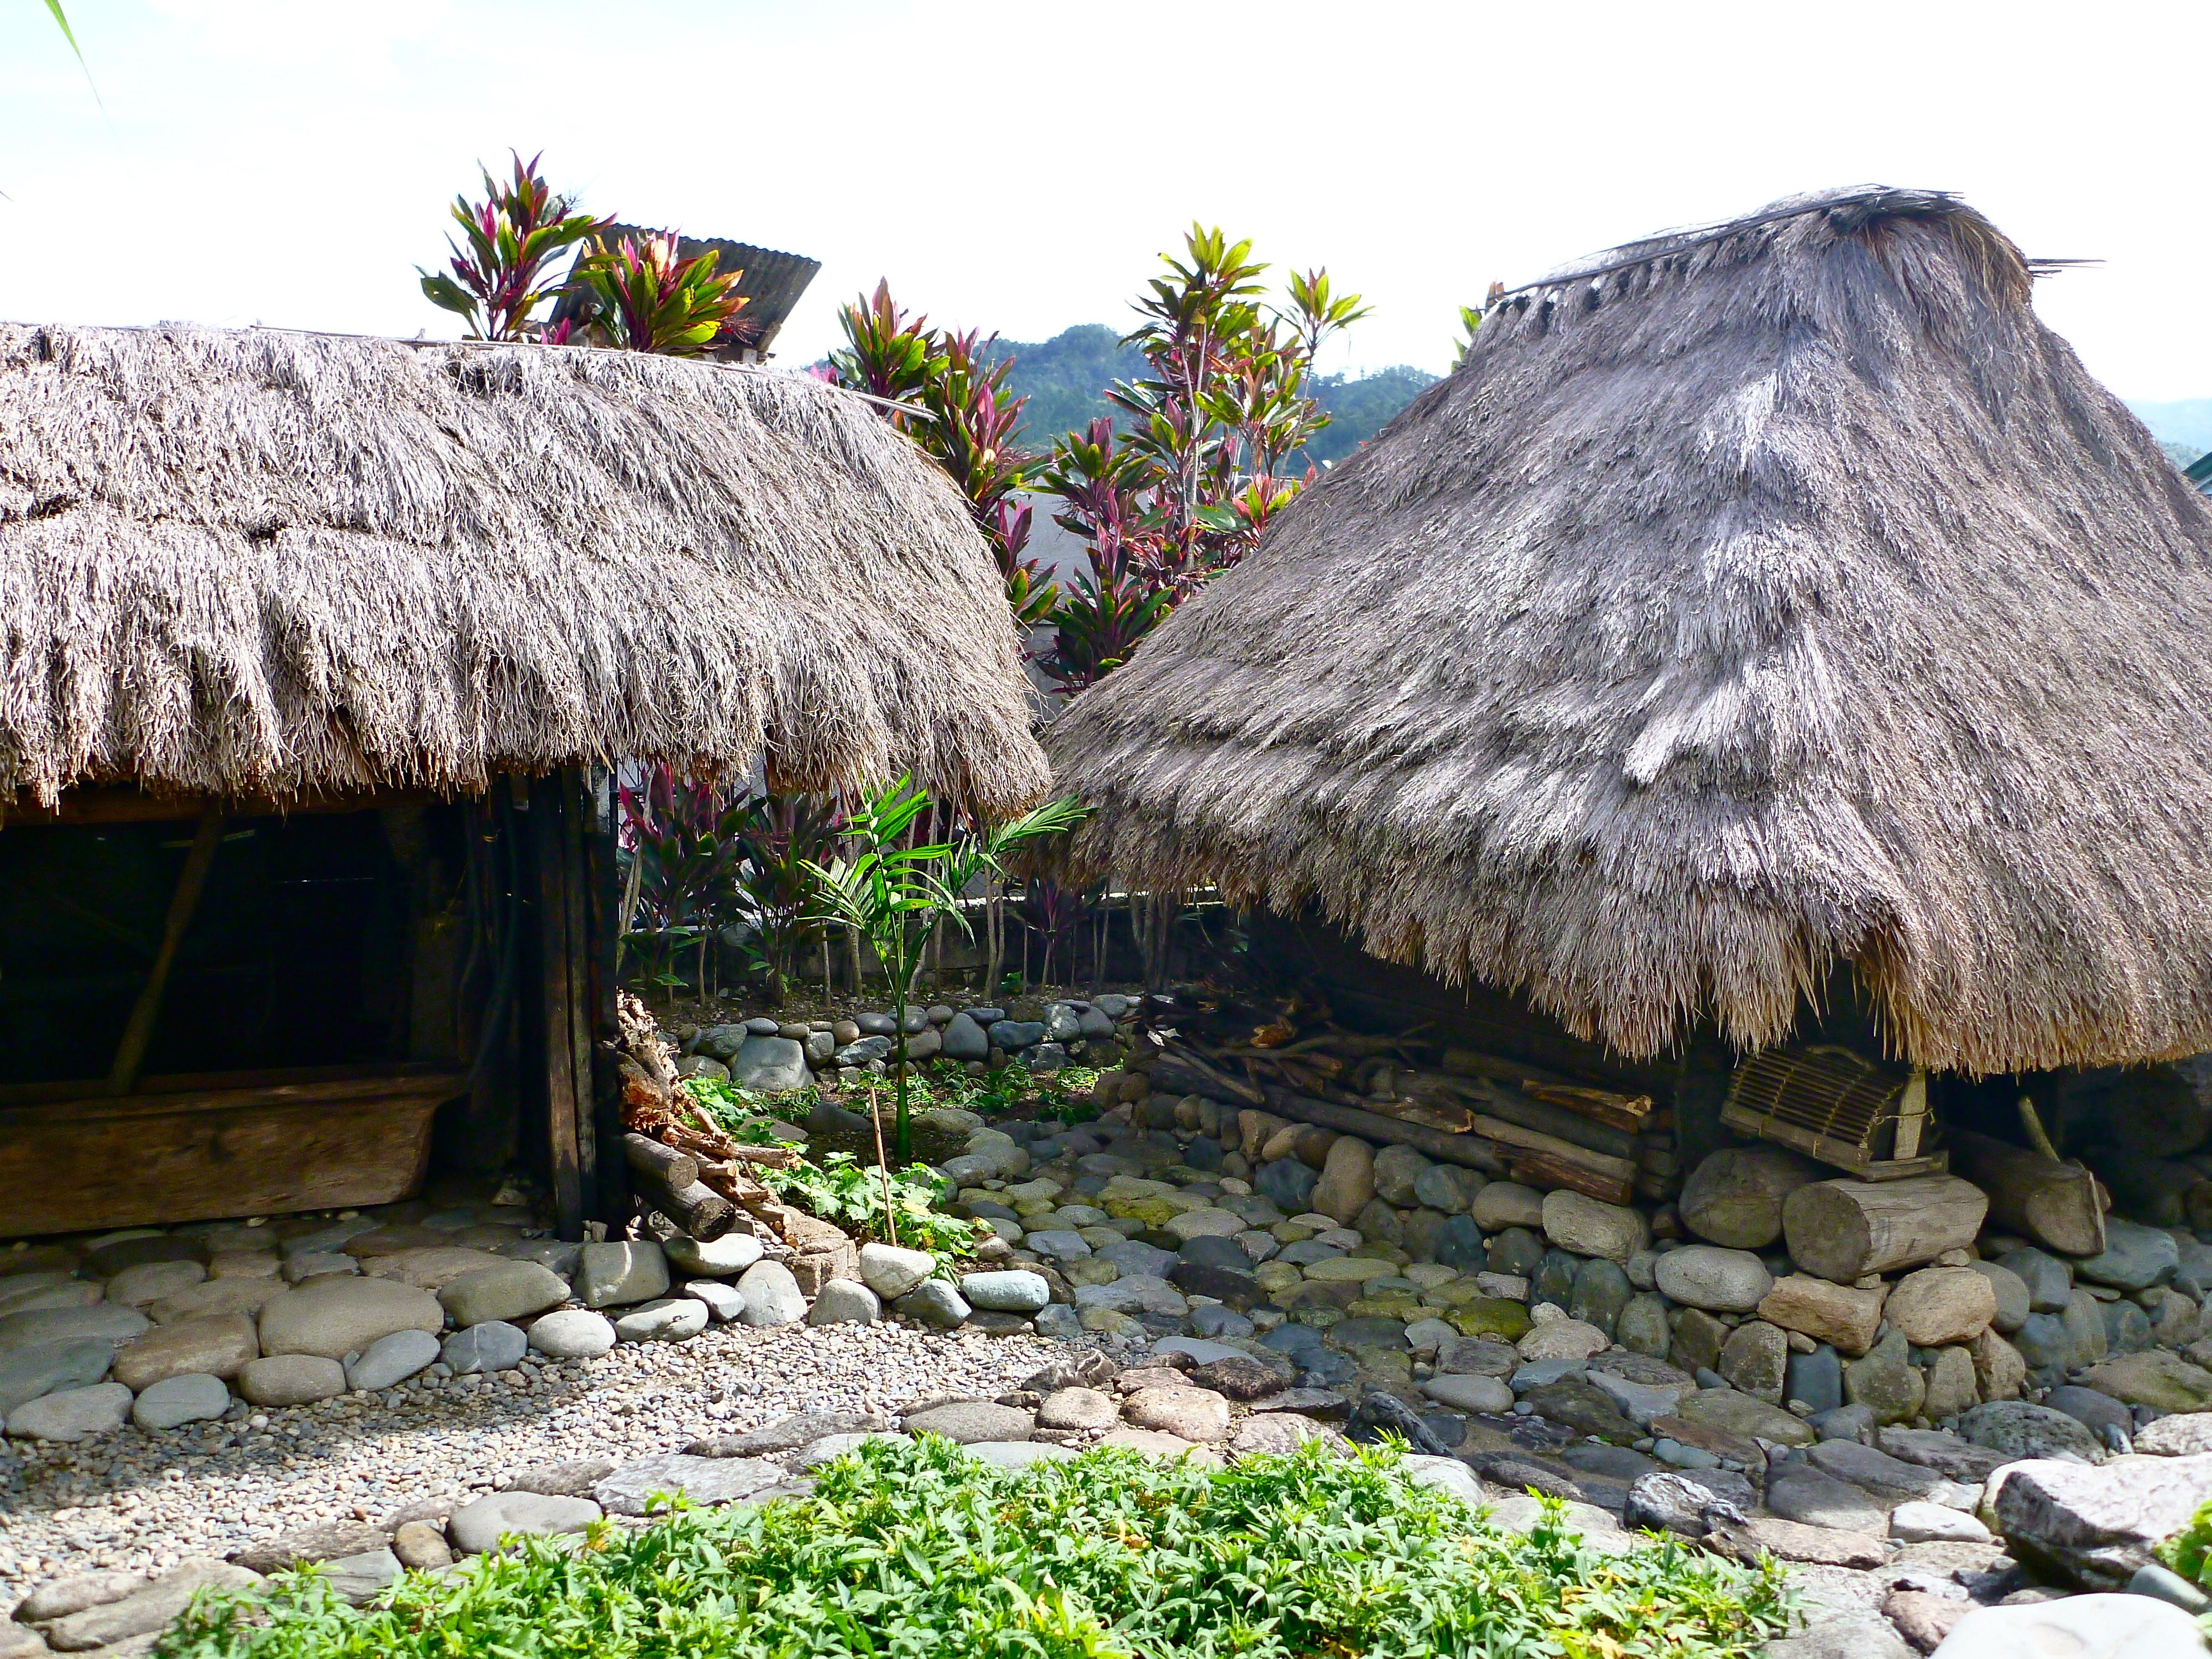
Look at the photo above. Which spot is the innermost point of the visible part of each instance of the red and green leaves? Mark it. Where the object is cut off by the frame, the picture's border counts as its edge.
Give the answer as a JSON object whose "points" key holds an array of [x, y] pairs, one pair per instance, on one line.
{"points": [[497, 272], [1183, 487], [646, 297]]}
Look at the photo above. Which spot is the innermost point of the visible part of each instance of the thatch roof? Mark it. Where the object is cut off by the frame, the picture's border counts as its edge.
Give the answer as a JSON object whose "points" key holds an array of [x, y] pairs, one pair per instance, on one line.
{"points": [[1785, 594], [273, 563]]}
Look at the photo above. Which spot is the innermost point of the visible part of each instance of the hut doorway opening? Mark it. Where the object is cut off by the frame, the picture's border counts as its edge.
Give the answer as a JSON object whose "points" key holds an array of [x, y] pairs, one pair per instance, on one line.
{"points": [[211, 1009]]}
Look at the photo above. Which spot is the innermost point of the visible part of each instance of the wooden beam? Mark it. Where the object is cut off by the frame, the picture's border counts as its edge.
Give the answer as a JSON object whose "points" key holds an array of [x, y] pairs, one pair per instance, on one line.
{"points": [[128, 804], [138, 1031]]}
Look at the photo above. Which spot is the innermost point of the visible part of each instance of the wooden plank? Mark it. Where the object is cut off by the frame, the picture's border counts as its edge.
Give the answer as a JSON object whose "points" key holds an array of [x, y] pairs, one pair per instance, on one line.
{"points": [[557, 1044], [95, 1163], [345, 1093]]}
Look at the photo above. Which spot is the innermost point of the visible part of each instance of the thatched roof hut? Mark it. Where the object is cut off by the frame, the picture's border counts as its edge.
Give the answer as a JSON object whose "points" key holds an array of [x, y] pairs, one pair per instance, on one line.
{"points": [[272, 563], [1753, 599]]}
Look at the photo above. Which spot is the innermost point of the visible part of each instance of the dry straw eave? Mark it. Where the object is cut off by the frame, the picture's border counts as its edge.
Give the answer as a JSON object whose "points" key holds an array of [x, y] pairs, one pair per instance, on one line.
{"points": [[1759, 599], [268, 563]]}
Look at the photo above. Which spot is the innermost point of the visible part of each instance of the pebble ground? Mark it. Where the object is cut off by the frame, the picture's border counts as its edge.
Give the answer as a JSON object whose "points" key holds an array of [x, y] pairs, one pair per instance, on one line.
{"points": [[143, 1502]]}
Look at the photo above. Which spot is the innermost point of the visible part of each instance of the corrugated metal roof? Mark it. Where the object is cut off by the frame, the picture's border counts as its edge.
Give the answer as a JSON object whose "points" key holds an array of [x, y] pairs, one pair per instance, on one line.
{"points": [[772, 283], [2199, 473]]}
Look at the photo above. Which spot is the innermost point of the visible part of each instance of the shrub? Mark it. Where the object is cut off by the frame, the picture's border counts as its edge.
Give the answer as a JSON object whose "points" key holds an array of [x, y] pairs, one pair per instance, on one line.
{"points": [[918, 1550]]}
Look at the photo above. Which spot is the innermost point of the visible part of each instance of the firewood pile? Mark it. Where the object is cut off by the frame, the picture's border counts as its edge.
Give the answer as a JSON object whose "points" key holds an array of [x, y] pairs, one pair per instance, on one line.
{"points": [[682, 1163], [1490, 1112]]}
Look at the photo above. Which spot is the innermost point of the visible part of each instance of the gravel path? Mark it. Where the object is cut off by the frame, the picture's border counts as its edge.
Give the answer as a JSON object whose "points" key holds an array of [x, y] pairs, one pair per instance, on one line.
{"points": [[143, 1501]]}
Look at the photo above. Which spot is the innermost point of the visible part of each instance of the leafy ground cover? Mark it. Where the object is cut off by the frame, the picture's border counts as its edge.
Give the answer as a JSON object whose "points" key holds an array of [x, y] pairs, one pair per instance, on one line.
{"points": [[917, 1549]]}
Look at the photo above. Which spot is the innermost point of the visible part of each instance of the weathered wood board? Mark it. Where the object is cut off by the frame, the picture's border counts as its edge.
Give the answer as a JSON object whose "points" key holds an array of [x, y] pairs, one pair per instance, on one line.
{"points": [[201, 1153]]}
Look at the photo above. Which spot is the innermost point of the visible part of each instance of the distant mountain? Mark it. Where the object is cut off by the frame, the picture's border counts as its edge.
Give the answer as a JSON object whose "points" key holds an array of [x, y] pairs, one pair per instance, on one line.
{"points": [[2186, 424], [1065, 378]]}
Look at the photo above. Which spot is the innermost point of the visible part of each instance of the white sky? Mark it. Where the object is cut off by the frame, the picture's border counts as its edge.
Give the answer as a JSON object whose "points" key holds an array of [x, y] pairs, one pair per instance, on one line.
{"points": [[1017, 166]]}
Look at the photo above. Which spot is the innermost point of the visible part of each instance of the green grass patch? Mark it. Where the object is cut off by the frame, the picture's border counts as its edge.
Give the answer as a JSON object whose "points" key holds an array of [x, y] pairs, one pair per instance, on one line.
{"points": [[914, 1550]]}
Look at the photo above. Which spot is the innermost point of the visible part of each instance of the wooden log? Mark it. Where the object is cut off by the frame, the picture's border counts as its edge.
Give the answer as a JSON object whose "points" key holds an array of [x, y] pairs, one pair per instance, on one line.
{"points": [[695, 1208], [2055, 1203], [1176, 1072], [1561, 1125], [1546, 1171], [1617, 1111], [674, 1170], [1845, 1230], [1469, 1150], [1533, 1141]]}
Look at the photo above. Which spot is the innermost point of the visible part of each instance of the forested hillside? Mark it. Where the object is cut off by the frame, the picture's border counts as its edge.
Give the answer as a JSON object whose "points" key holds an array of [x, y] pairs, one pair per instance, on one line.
{"points": [[1065, 378]]}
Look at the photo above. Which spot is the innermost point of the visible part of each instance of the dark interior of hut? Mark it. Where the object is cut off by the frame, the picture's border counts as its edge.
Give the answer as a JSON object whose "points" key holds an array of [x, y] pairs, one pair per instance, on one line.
{"points": [[214, 1013]]}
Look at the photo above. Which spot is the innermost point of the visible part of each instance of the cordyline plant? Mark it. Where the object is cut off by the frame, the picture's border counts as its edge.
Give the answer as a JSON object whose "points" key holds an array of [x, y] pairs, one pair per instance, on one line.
{"points": [[646, 297], [498, 278], [783, 836], [685, 840], [959, 408], [894, 895], [1183, 487]]}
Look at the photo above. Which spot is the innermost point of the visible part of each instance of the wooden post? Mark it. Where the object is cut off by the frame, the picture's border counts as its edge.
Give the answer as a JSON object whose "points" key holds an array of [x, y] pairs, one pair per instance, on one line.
{"points": [[562, 1116], [138, 1031], [583, 984]]}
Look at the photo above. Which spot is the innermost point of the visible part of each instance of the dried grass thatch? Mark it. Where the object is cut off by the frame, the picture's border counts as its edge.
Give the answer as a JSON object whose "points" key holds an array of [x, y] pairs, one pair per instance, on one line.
{"points": [[1752, 599], [272, 564]]}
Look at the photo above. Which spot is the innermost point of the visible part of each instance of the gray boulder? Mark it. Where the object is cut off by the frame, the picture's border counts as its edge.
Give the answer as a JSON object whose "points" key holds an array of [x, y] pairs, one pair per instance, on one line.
{"points": [[44, 1367], [572, 1333], [108, 1321], [967, 1421], [891, 1271], [669, 1319], [617, 1274], [845, 1302], [935, 1303], [477, 1526], [965, 1040], [2019, 1429], [331, 1317], [291, 1379], [631, 1487], [176, 1400], [1016, 1034], [72, 1415], [772, 1295], [494, 1345], [1015, 1290], [2096, 1528], [2080, 1626], [722, 1258], [2135, 1258], [393, 1360], [770, 1066], [150, 1610], [1678, 1504], [57, 1598], [512, 1290]]}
